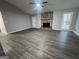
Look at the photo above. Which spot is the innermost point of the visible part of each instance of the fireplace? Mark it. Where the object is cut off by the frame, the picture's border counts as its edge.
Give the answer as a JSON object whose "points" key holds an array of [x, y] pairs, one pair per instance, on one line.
{"points": [[46, 25]]}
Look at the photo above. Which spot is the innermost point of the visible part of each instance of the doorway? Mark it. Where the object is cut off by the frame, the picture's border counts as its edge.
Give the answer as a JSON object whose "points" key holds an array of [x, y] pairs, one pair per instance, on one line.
{"points": [[2, 25], [67, 19]]}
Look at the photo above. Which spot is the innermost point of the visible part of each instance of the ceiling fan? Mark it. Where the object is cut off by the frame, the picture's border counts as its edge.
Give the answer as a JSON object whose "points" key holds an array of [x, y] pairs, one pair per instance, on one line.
{"points": [[42, 4]]}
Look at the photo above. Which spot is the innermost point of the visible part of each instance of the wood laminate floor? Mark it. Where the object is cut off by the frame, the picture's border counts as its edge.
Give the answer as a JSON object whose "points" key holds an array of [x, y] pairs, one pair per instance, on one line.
{"points": [[41, 44]]}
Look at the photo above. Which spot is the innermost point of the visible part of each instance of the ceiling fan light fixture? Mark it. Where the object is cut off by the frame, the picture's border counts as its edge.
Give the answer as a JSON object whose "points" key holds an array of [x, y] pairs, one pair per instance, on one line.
{"points": [[38, 5]]}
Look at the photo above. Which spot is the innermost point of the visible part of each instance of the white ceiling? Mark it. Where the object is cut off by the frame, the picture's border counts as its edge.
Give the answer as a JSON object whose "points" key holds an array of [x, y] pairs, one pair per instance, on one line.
{"points": [[52, 5]]}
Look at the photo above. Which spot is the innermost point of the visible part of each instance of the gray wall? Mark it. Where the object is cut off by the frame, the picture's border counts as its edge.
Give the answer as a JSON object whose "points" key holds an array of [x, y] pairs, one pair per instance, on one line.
{"points": [[14, 19], [58, 17]]}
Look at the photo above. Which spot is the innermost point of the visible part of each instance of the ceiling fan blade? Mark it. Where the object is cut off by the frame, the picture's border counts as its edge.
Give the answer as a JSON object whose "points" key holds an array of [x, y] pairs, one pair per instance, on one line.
{"points": [[32, 3], [44, 2], [36, 3]]}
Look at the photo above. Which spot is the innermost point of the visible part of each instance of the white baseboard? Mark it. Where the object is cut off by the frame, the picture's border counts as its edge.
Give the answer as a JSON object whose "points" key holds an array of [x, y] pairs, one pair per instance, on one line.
{"points": [[18, 30], [4, 57], [76, 33]]}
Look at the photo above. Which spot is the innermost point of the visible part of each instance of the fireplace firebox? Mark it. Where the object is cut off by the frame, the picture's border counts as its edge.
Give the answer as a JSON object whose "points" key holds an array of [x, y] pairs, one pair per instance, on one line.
{"points": [[46, 25]]}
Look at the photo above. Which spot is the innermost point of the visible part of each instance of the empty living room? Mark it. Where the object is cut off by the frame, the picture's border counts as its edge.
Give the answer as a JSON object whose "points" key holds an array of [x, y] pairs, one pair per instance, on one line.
{"points": [[39, 29]]}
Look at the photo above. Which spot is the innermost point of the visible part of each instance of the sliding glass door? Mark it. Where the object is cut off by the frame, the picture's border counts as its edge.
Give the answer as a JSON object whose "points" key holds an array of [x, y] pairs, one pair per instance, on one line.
{"points": [[67, 19]]}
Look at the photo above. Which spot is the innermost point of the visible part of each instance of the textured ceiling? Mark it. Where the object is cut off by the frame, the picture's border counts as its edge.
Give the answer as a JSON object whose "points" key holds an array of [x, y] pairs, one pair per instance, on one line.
{"points": [[52, 5]]}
